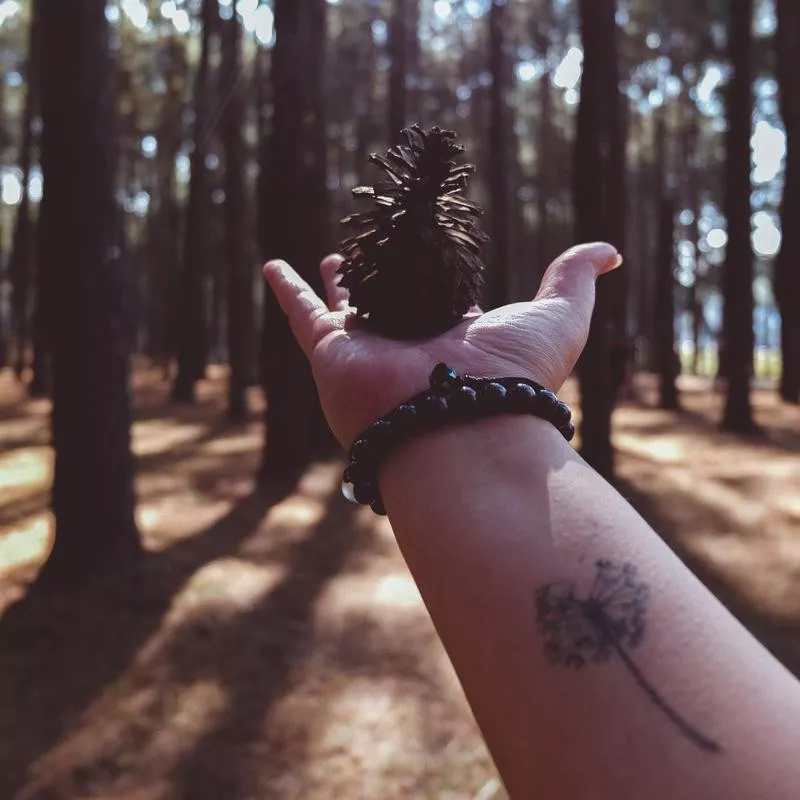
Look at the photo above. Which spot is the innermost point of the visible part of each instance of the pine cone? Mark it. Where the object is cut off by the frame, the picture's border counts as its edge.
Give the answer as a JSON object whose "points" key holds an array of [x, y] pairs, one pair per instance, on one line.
{"points": [[413, 267]]}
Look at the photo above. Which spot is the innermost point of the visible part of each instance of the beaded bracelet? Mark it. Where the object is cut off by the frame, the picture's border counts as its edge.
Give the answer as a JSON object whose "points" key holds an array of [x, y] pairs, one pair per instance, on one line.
{"points": [[451, 398]]}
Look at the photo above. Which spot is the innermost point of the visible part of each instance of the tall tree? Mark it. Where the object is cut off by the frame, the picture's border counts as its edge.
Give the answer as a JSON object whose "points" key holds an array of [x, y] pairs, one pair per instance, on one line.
{"points": [[544, 152], [598, 214], [82, 286], [398, 73], [738, 337], [499, 186], [240, 304], [22, 260], [787, 268], [292, 232], [665, 281], [192, 333], [164, 219]]}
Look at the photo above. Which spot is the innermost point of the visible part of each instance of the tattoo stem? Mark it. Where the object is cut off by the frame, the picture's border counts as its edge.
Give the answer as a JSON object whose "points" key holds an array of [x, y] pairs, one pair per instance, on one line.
{"points": [[697, 738]]}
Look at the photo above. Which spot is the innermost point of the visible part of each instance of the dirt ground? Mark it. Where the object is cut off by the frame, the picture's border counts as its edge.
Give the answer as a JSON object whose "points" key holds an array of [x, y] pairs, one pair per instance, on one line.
{"points": [[276, 647]]}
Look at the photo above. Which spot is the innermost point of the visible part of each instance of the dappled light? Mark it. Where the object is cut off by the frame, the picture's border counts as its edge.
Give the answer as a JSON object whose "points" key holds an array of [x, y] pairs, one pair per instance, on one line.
{"points": [[262, 666]]}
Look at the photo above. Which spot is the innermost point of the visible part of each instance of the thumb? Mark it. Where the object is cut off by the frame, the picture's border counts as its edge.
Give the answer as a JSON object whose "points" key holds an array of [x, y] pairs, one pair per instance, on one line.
{"points": [[573, 274], [567, 296]]}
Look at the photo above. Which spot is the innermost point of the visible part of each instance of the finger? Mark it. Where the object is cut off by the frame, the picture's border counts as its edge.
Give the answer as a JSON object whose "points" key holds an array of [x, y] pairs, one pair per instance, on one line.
{"points": [[573, 274], [565, 303], [303, 308], [338, 297]]}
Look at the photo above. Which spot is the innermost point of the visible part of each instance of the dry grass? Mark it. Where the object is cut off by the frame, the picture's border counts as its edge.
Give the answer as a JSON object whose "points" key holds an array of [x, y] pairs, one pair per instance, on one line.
{"points": [[276, 647]]}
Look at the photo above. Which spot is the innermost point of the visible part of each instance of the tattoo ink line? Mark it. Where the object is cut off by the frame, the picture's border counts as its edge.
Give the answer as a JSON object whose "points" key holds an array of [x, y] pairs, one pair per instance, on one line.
{"points": [[610, 621]]}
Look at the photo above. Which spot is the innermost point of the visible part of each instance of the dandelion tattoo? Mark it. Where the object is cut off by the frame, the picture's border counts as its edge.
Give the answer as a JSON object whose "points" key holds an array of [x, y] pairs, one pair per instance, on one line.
{"points": [[610, 621]]}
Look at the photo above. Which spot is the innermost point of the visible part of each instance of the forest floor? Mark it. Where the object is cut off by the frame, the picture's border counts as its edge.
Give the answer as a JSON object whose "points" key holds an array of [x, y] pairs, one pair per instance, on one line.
{"points": [[276, 647]]}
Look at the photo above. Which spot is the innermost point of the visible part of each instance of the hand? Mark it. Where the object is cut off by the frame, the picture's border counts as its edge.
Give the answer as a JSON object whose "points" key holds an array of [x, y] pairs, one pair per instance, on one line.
{"points": [[361, 376]]}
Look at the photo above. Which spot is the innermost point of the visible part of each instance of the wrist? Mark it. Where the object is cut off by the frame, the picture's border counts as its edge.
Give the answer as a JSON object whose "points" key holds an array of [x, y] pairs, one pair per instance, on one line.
{"points": [[450, 400], [465, 463]]}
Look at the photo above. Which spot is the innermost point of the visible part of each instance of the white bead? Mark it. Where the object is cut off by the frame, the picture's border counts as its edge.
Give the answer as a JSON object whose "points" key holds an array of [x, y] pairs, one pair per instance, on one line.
{"points": [[348, 490]]}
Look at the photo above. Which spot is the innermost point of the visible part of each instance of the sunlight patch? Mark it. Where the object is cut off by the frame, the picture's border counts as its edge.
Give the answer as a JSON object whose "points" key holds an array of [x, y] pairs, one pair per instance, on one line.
{"points": [[24, 468], [398, 591], [159, 436], [230, 582], [28, 544]]}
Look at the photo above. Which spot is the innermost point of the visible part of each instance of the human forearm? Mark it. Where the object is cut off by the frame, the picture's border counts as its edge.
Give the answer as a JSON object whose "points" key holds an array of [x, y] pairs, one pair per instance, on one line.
{"points": [[488, 514]]}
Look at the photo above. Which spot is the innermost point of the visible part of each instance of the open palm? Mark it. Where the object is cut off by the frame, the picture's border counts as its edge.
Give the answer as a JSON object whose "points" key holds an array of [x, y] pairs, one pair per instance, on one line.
{"points": [[361, 376]]}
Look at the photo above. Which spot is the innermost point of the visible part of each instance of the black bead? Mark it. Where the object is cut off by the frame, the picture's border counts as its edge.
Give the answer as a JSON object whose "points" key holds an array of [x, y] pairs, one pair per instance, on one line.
{"points": [[569, 431], [465, 399], [378, 508], [365, 493], [433, 410], [522, 397], [561, 414], [492, 396], [404, 418], [379, 433], [548, 397], [362, 451], [357, 473], [443, 379]]}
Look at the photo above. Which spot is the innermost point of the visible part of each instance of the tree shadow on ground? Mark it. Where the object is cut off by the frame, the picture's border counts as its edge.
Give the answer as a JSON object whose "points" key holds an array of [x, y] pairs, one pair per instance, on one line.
{"points": [[253, 657], [58, 650]]}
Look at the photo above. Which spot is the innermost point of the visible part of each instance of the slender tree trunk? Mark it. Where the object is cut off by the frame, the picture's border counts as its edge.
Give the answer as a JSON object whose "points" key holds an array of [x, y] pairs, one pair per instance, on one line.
{"points": [[413, 65], [593, 196], [193, 326], [398, 52], [41, 378], [164, 221], [666, 357], [691, 137], [545, 151], [316, 133], [665, 285], [292, 405], [82, 297], [499, 284], [738, 271], [787, 268], [240, 303], [22, 248], [545, 183]]}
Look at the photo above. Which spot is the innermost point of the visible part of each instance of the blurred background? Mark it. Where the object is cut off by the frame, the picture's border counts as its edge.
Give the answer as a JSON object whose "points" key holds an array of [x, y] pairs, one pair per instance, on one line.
{"points": [[189, 608]]}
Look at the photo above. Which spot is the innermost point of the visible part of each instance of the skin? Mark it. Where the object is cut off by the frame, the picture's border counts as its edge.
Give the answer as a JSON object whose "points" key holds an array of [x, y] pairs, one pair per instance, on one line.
{"points": [[486, 514]]}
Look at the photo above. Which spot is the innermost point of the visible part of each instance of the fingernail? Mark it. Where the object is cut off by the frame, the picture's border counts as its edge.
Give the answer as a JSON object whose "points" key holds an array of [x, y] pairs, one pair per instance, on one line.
{"points": [[272, 268], [617, 262]]}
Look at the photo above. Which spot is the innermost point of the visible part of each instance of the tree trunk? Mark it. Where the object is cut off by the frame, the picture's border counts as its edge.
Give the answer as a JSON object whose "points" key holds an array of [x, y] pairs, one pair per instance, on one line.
{"points": [[666, 356], [413, 65], [691, 138], [292, 233], [398, 53], [240, 303], [22, 250], [164, 222], [665, 300], [738, 271], [787, 267], [499, 284], [596, 216], [193, 330], [41, 379], [82, 297], [544, 179], [545, 152]]}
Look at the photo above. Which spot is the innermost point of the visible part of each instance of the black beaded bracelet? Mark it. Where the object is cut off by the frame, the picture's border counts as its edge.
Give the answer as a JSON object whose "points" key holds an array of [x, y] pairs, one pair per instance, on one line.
{"points": [[451, 398]]}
